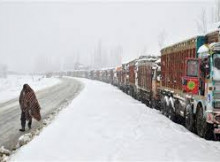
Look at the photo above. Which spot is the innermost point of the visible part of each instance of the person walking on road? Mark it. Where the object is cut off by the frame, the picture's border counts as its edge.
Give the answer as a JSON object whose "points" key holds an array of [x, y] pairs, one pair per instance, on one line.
{"points": [[29, 107]]}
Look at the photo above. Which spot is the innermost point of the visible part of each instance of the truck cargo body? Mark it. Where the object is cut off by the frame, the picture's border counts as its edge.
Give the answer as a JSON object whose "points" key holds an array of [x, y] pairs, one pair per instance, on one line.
{"points": [[97, 75], [119, 77], [115, 77], [132, 86], [173, 60], [109, 76], [103, 75], [125, 78]]}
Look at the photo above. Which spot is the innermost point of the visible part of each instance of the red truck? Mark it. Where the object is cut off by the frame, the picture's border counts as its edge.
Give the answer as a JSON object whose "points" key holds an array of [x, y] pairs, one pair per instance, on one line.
{"points": [[190, 84]]}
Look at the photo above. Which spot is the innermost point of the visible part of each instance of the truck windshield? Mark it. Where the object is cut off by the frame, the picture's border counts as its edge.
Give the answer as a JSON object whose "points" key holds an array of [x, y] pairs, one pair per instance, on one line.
{"points": [[216, 67]]}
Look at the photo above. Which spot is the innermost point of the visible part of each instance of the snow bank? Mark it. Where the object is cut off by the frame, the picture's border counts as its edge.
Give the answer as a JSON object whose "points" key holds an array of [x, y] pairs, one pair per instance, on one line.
{"points": [[104, 124], [11, 86]]}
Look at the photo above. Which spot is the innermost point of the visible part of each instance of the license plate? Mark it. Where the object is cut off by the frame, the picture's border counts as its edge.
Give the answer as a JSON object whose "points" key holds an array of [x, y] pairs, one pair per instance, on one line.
{"points": [[217, 131]]}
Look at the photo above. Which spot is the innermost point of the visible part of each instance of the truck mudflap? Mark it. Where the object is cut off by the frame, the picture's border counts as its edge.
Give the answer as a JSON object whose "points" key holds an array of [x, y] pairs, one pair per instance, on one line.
{"points": [[216, 130], [213, 118]]}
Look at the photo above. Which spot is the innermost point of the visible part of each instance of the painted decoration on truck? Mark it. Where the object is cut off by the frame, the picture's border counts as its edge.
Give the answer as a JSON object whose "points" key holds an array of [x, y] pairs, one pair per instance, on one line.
{"points": [[191, 85]]}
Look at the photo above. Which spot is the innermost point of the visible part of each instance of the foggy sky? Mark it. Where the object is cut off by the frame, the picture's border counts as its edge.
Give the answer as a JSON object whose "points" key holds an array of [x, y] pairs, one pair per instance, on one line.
{"points": [[35, 33]]}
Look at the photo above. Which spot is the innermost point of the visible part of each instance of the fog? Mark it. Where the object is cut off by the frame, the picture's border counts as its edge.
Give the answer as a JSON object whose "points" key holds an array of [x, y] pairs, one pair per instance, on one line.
{"points": [[54, 35]]}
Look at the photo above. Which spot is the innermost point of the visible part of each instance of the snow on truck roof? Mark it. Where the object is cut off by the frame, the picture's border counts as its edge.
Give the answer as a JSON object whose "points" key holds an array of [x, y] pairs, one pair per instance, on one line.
{"points": [[180, 44], [108, 68], [142, 58], [213, 27], [148, 59], [206, 48]]}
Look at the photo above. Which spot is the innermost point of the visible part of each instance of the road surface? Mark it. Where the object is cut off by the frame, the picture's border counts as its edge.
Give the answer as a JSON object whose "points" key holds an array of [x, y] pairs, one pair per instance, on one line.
{"points": [[50, 99]]}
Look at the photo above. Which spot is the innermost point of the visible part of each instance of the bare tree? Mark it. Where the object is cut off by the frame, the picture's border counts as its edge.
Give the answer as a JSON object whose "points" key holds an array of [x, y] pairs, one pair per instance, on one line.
{"points": [[3, 71], [162, 38], [216, 11], [116, 55], [202, 22]]}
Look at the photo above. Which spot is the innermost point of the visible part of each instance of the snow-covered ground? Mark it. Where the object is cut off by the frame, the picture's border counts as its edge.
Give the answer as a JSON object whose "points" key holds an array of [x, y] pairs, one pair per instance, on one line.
{"points": [[11, 86], [104, 124]]}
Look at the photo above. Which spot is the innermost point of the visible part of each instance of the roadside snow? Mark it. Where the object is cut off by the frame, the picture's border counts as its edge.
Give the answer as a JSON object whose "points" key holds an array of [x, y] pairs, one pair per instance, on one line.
{"points": [[104, 124], [11, 86]]}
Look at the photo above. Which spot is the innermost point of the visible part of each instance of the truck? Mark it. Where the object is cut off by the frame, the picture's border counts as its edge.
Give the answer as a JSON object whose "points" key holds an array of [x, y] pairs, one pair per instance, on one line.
{"points": [[118, 77], [125, 78], [132, 90], [147, 81], [190, 84], [109, 75]]}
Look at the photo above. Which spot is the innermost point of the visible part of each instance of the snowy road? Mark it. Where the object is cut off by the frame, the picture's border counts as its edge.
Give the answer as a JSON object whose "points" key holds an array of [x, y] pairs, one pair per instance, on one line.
{"points": [[104, 124], [50, 99]]}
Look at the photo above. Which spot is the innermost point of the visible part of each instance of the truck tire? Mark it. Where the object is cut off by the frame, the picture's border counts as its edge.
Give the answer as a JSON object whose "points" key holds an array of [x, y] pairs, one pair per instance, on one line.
{"points": [[171, 113], [154, 106], [204, 129], [189, 118], [149, 103], [163, 107], [200, 122], [166, 109], [138, 96]]}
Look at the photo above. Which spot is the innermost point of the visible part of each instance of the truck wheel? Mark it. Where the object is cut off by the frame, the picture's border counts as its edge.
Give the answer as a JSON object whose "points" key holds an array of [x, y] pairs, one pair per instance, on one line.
{"points": [[189, 118], [200, 122], [149, 103], [166, 109], [163, 107], [204, 129], [138, 97], [171, 113], [154, 104]]}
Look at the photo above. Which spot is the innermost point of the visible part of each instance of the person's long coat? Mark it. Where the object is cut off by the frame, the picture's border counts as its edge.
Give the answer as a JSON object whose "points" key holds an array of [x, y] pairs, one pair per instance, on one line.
{"points": [[29, 104]]}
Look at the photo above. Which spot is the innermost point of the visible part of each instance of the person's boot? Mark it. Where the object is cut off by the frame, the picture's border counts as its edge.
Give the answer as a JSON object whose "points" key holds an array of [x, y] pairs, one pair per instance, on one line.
{"points": [[29, 125], [23, 123], [22, 129]]}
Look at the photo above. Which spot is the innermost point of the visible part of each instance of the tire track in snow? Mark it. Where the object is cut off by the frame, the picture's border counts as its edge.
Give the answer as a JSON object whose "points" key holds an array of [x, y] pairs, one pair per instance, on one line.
{"points": [[49, 99]]}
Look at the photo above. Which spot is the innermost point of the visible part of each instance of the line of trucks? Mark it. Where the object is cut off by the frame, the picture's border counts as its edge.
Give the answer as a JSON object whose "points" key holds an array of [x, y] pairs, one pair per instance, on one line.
{"points": [[183, 83]]}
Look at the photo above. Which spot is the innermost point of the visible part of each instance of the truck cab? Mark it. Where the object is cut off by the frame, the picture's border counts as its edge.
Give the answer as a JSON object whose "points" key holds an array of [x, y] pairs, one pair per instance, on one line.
{"points": [[202, 83]]}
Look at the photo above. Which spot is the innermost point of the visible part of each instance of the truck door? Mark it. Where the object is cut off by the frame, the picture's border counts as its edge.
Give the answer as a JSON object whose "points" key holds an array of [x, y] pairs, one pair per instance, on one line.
{"points": [[190, 81]]}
